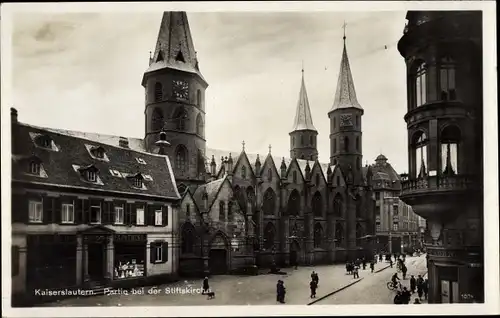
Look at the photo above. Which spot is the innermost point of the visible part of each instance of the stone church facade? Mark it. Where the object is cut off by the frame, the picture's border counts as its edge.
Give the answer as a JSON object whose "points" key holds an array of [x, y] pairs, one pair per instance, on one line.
{"points": [[240, 209]]}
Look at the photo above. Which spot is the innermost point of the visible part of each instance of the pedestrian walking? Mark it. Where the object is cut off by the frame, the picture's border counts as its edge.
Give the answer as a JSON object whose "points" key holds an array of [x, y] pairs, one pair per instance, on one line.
{"points": [[413, 284], [313, 286], [372, 266], [404, 269], [397, 299], [206, 286], [364, 264], [355, 272], [425, 288], [280, 291], [390, 262]]}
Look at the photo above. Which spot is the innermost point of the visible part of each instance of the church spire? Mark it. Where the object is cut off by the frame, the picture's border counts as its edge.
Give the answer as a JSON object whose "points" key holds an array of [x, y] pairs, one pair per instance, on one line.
{"points": [[174, 45], [345, 96], [303, 119]]}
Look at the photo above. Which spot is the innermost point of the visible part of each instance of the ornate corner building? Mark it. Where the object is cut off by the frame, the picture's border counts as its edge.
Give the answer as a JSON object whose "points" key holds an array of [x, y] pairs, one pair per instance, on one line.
{"points": [[443, 55]]}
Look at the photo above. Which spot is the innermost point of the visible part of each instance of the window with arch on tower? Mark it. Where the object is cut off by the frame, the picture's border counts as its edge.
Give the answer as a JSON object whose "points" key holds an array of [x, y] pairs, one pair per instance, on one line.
{"points": [[199, 125], [357, 143], [335, 145], [311, 140], [317, 179], [450, 140], [243, 172], [302, 140], [157, 119], [447, 79], [420, 143], [181, 118], [181, 156], [198, 98], [334, 122], [358, 163], [421, 85], [293, 141], [158, 93], [346, 144], [294, 177]]}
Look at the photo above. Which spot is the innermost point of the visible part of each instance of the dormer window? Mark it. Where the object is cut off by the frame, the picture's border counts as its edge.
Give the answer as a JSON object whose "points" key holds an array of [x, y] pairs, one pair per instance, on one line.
{"points": [[141, 161], [137, 180], [34, 167], [137, 183], [43, 141], [89, 173]]}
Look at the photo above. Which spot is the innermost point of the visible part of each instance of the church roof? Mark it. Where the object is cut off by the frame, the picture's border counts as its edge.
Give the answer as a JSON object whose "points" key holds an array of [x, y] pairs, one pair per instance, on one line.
{"points": [[303, 119], [68, 154], [345, 96], [174, 45], [211, 189]]}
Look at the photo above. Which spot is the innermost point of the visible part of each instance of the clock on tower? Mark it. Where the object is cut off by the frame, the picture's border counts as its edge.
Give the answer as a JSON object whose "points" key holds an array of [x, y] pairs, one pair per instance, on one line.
{"points": [[345, 120], [180, 90]]}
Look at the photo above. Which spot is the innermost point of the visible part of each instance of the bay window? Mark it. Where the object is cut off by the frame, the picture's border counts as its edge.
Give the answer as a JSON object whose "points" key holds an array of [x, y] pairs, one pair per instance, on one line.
{"points": [[421, 85]]}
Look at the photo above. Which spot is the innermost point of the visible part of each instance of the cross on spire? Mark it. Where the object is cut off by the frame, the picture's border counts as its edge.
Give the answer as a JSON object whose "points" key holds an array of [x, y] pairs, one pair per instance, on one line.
{"points": [[270, 149], [343, 27], [243, 143]]}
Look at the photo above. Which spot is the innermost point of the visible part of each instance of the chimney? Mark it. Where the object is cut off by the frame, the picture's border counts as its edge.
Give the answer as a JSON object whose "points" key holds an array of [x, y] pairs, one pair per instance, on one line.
{"points": [[13, 115], [123, 142]]}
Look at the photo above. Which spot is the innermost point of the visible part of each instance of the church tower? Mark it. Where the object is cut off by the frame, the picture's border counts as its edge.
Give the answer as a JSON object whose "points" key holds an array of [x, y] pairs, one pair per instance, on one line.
{"points": [[303, 138], [175, 99], [345, 123]]}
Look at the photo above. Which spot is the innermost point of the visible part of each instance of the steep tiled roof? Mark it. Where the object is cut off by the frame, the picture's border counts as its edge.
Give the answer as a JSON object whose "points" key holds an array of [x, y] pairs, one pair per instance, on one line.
{"points": [[345, 96], [303, 118], [72, 153], [211, 188], [174, 45]]}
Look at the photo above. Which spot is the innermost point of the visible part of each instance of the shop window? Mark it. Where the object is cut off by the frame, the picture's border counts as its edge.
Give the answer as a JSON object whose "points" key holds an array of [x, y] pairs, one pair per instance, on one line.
{"points": [[129, 259], [140, 216], [68, 213], [35, 211]]}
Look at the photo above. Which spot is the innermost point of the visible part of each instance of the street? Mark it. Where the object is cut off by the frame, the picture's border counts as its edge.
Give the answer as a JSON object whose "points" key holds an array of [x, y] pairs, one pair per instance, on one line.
{"points": [[242, 290], [373, 290]]}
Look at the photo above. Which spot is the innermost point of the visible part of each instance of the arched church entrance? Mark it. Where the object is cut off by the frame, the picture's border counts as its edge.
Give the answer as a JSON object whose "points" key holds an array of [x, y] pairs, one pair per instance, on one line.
{"points": [[294, 253], [218, 261]]}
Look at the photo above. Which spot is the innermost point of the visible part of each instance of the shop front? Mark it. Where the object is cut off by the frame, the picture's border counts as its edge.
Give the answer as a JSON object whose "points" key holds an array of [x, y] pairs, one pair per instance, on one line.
{"points": [[130, 252]]}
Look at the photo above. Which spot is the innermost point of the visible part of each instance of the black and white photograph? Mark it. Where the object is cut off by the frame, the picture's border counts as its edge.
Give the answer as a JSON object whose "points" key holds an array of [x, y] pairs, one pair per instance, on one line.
{"points": [[279, 157]]}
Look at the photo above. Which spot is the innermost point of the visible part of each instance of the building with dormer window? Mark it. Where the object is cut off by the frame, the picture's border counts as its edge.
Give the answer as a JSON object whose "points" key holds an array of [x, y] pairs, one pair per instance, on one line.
{"points": [[84, 215]]}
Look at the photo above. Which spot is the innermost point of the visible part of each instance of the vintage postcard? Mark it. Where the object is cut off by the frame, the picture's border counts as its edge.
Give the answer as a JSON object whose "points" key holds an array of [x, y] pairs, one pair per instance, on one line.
{"points": [[232, 159]]}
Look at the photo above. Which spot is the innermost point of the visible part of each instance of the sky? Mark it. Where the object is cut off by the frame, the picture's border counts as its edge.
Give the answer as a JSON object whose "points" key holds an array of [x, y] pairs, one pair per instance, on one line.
{"points": [[83, 71]]}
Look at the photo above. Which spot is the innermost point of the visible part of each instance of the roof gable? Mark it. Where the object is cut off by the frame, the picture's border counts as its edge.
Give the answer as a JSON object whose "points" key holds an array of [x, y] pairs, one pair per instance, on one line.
{"points": [[294, 166], [270, 164], [317, 169], [243, 161], [211, 189], [338, 177]]}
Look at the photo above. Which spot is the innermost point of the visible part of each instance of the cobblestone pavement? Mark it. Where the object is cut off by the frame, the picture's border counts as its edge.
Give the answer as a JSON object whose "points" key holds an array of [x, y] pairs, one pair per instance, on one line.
{"points": [[373, 289], [236, 290]]}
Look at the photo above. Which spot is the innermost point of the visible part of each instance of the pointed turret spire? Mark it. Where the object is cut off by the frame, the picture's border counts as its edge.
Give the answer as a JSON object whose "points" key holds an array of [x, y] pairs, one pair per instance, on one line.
{"points": [[303, 119], [345, 96], [174, 45]]}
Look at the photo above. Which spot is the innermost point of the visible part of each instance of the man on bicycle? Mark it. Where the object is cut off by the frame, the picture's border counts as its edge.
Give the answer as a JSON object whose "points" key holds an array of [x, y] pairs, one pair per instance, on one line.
{"points": [[394, 280]]}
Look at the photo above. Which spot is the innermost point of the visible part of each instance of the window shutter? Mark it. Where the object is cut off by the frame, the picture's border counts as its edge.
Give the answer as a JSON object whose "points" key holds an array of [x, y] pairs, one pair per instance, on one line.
{"points": [[164, 215], [152, 253], [57, 213], [20, 208], [164, 252], [151, 215], [128, 213], [47, 210], [112, 212], [15, 260], [105, 212], [86, 211], [78, 211], [133, 214]]}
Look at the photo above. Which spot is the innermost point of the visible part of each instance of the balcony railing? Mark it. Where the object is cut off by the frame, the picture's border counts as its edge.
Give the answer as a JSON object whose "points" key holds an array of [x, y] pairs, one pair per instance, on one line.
{"points": [[439, 183]]}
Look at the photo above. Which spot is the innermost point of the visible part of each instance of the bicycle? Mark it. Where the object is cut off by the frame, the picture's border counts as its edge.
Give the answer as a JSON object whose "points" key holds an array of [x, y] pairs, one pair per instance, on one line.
{"points": [[392, 286]]}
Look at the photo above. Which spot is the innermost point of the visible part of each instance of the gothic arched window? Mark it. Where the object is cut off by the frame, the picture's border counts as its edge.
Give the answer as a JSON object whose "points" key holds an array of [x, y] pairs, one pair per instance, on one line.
{"points": [[293, 207], [421, 85], [335, 145], [447, 79], [419, 144], [180, 119], [357, 143], [181, 157], [318, 235], [158, 97], [339, 233], [269, 204], [222, 213], [230, 215], [199, 125], [157, 119], [337, 206], [450, 141], [269, 236], [188, 238], [346, 144], [250, 198], [198, 98], [317, 204], [317, 179]]}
